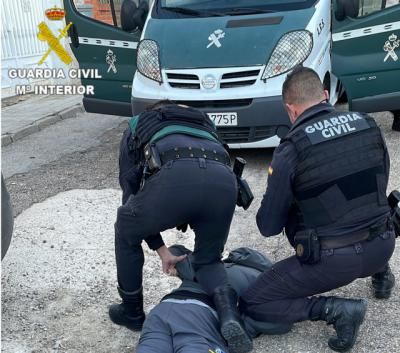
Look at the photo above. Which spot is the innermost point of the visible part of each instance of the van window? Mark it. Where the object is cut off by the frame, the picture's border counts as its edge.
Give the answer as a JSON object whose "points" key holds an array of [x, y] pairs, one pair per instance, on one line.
{"points": [[368, 7], [205, 8], [101, 10], [361, 8]]}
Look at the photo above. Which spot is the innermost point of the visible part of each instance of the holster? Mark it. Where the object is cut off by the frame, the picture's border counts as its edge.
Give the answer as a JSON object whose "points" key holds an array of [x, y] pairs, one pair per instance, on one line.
{"points": [[308, 247], [395, 218], [245, 195], [152, 156], [394, 202]]}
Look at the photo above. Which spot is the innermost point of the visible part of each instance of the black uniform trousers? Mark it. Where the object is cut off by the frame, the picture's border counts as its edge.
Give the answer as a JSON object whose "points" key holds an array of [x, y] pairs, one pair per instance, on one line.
{"points": [[282, 293], [198, 192]]}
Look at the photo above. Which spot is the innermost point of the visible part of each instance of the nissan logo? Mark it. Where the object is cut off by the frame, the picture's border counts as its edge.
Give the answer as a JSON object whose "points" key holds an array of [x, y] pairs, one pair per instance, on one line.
{"points": [[209, 82]]}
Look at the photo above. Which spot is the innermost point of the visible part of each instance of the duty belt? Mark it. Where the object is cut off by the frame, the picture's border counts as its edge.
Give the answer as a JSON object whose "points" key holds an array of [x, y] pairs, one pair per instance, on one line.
{"points": [[341, 242], [191, 152]]}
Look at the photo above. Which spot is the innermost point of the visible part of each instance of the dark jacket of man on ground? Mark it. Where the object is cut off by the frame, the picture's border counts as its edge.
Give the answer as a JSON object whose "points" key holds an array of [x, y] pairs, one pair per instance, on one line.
{"points": [[327, 189], [174, 172], [186, 320]]}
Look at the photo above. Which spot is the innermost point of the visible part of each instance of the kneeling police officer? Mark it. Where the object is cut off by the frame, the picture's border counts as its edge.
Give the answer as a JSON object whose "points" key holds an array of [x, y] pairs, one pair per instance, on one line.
{"points": [[327, 187], [174, 172]]}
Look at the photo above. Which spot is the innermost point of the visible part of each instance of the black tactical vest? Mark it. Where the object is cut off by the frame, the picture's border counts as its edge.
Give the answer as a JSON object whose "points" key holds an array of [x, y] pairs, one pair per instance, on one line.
{"points": [[340, 178], [150, 122]]}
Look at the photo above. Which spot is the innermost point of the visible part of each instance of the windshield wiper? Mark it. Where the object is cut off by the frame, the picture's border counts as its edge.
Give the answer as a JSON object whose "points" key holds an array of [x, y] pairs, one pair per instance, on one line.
{"points": [[245, 11], [191, 12]]}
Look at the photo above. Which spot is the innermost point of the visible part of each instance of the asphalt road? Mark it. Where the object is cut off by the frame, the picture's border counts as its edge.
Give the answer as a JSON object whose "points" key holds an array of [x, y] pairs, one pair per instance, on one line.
{"points": [[59, 274]]}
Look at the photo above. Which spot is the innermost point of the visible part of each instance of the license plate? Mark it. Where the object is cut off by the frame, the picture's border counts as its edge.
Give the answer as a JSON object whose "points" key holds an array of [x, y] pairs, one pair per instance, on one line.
{"points": [[224, 119]]}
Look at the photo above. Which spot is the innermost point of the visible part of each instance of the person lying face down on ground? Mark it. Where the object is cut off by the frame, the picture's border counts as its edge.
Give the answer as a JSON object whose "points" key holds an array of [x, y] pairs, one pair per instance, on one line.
{"points": [[186, 321]]}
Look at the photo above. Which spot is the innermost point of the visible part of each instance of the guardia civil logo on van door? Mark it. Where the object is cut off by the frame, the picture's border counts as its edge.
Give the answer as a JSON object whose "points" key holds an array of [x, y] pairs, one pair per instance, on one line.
{"points": [[334, 127], [390, 47]]}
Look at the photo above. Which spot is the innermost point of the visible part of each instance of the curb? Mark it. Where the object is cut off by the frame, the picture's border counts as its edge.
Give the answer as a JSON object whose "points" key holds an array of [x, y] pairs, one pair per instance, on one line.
{"points": [[41, 124]]}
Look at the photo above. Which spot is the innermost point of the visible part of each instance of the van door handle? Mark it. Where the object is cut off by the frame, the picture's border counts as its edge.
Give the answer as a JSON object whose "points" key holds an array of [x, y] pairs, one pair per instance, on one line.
{"points": [[73, 34]]}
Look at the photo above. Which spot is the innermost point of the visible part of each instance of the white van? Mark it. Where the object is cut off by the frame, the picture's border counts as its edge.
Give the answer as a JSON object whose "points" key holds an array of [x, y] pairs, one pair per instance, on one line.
{"points": [[231, 61]]}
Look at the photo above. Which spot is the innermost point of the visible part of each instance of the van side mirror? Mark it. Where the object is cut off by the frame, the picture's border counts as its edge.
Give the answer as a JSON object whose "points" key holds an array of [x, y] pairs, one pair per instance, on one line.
{"points": [[133, 16], [347, 8]]}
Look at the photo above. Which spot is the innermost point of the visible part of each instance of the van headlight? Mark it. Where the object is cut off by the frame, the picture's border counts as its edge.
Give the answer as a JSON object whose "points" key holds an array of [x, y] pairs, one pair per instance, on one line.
{"points": [[292, 49], [148, 60]]}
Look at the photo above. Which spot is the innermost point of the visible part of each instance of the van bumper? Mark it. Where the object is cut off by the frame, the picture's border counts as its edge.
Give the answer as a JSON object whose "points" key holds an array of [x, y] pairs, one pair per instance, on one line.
{"points": [[261, 121]]}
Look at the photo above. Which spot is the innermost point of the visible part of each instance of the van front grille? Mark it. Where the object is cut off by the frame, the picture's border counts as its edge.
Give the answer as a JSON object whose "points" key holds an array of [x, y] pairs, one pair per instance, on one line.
{"points": [[184, 81], [246, 134], [185, 85], [228, 103], [239, 79], [237, 84], [232, 79], [241, 74]]}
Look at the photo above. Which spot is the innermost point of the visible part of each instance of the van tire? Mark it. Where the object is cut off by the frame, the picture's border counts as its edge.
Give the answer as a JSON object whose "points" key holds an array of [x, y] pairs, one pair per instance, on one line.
{"points": [[396, 120], [342, 95], [7, 219], [327, 83]]}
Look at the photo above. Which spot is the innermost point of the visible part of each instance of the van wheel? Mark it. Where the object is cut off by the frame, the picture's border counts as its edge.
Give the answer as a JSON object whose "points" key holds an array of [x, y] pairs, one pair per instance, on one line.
{"points": [[342, 95], [342, 98], [327, 83], [396, 120], [7, 219]]}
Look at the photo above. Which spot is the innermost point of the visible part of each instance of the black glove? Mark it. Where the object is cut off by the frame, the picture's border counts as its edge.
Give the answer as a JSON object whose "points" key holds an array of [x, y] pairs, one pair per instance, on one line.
{"points": [[183, 227]]}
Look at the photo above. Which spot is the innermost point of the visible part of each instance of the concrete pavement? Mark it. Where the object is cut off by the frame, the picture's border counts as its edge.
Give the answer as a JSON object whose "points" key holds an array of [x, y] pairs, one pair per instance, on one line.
{"points": [[36, 113]]}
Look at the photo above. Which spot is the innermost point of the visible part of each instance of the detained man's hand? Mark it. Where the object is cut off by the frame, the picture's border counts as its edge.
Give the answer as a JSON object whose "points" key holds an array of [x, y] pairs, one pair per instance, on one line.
{"points": [[169, 261]]}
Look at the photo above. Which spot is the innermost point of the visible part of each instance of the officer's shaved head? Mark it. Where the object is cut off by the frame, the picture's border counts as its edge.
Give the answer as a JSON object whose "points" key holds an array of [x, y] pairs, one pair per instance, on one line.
{"points": [[302, 86]]}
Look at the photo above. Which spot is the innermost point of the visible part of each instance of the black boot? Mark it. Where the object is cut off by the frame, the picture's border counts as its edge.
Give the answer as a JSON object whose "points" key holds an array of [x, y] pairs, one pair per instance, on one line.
{"points": [[130, 312], [383, 283], [232, 328], [346, 316]]}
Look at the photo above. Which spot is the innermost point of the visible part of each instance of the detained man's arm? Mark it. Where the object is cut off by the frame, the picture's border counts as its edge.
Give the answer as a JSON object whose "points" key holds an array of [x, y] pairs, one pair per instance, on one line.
{"points": [[273, 213]]}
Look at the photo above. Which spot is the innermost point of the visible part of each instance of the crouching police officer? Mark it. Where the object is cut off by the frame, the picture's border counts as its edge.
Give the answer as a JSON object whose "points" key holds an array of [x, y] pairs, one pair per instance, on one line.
{"points": [[175, 172], [327, 187]]}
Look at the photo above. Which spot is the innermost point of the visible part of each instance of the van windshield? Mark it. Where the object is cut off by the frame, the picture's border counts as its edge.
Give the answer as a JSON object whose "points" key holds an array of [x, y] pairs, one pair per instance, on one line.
{"points": [[207, 8]]}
